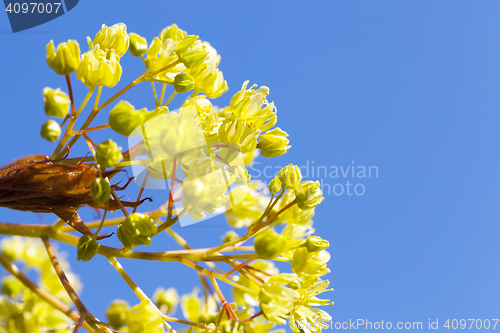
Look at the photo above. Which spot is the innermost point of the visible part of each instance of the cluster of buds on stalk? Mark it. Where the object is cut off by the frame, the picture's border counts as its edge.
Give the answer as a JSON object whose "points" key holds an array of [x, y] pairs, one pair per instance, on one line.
{"points": [[200, 153]]}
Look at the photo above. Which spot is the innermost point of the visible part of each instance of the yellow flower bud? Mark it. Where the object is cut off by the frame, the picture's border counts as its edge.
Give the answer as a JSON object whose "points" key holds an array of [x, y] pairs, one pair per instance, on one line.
{"points": [[294, 215], [160, 55], [138, 45], [269, 244], [136, 229], [96, 70], [67, 58], [212, 85], [51, 130], [87, 248], [183, 83], [144, 318], [312, 263], [117, 314], [275, 186], [231, 131], [108, 154], [124, 118], [315, 244], [100, 190], [290, 176], [229, 236], [274, 143], [56, 102], [166, 300], [309, 194], [190, 51], [113, 38], [173, 32]]}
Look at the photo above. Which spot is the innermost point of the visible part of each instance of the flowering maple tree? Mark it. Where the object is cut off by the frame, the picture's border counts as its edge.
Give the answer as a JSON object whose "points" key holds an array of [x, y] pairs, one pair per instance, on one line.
{"points": [[200, 152]]}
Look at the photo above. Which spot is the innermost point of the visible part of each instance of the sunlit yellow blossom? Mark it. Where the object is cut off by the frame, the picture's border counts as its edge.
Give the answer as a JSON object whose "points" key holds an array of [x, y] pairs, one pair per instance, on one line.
{"points": [[56, 102], [66, 59], [95, 70], [161, 55], [111, 39], [138, 45], [172, 32]]}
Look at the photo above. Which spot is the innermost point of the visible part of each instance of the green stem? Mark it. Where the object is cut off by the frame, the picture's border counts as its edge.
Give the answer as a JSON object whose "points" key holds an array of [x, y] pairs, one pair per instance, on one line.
{"points": [[37, 231], [250, 232], [89, 119], [164, 87], [135, 288], [69, 129], [154, 92], [170, 98], [212, 274]]}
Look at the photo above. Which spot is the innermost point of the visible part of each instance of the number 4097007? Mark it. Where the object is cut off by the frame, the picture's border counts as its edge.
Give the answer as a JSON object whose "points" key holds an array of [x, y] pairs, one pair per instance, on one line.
{"points": [[472, 323], [33, 7]]}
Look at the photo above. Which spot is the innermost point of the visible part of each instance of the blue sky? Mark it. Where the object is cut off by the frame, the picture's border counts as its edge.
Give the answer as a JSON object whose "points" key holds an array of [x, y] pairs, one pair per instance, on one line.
{"points": [[410, 87]]}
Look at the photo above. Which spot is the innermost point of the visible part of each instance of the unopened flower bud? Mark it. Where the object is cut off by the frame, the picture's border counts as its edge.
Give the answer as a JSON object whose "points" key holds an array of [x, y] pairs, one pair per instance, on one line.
{"points": [[274, 143], [309, 194], [269, 244], [117, 314], [275, 186], [96, 69], [100, 190], [108, 154], [66, 59], [87, 248], [136, 229], [229, 236], [312, 263], [56, 102], [190, 51], [316, 244], [113, 38], [173, 32], [166, 300], [183, 83], [124, 118], [138, 45], [51, 130], [213, 85], [290, 176]]}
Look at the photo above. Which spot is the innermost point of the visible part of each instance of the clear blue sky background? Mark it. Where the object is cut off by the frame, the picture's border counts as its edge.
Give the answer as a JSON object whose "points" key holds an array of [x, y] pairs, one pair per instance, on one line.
{"points": [[408, 86]]}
